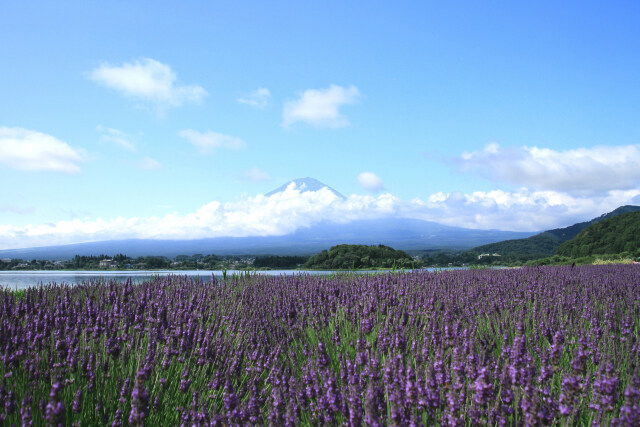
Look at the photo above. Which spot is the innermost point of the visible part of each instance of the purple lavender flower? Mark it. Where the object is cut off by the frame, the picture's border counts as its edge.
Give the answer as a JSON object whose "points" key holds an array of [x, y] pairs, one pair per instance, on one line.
{"points": [[25, 412], [139, 401], [117, 419], [54, 412], [571, 388], [77, 402], [372, 403], [482, 387], [185, 382], [630, 410]]}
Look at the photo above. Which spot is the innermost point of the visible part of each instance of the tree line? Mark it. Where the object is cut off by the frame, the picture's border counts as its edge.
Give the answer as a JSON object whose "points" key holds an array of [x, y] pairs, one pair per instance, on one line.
{"points": [[344, 257]]}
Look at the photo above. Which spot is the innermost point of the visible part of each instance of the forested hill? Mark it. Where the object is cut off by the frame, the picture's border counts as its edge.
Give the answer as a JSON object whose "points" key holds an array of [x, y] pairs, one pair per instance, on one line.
{"points": [[360, 256], [546, 243], [611, 236], [568, 233]]}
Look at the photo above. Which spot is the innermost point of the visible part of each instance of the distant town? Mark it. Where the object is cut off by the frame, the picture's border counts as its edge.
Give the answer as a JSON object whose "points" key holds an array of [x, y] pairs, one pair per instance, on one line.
{"points": [[122, 262]]}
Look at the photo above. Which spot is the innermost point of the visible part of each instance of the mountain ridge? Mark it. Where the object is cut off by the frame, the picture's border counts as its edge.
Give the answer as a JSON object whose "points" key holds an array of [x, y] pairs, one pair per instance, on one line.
{"points": [[546, 243], [611, 235], [404, 234], [399, 233]]}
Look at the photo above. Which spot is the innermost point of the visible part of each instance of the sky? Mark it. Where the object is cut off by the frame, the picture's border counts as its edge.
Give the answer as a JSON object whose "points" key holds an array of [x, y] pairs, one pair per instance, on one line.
{"points": [[173, 119]]}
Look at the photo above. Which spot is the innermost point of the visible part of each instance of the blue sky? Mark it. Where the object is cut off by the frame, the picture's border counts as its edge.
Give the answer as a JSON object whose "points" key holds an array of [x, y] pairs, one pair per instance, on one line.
{"points": [[169, 119]]}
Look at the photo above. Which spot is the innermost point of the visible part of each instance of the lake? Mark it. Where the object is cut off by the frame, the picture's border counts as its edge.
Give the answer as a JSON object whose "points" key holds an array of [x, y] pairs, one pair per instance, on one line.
{"points": [[25, 279]]}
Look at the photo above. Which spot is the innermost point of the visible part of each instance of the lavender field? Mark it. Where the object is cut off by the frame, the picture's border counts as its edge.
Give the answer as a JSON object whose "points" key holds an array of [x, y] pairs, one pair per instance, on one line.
{"points": [[550, 345]]}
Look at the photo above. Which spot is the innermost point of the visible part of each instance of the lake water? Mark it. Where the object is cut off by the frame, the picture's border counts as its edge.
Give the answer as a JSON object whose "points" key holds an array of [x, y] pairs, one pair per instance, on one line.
{"points": [[25, 279]]}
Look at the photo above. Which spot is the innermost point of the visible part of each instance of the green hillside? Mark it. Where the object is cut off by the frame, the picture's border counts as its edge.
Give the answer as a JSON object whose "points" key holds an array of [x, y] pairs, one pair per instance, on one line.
{"points": [[546, 243], [611, 236], [359, 256], [538, 245]]}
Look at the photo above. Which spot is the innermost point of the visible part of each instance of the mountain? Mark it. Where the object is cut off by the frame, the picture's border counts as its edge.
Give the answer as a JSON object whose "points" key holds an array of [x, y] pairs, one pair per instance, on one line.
{"points": [[399, 233], [304, 185], [609, 236], [405, 234], [546, 243]]}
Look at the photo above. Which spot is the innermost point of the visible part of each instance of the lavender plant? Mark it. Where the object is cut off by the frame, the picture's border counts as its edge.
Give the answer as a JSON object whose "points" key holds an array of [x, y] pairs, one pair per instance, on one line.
{"points": [[551, 345]]}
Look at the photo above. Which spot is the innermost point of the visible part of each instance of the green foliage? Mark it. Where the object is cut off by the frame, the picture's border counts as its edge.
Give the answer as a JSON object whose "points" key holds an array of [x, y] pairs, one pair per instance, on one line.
{"points": [[542, 244], [17, 293], [607, 261], [154, 262], [611, 236], [349, 257], [280, 262], [546, 243], [560, 260]]}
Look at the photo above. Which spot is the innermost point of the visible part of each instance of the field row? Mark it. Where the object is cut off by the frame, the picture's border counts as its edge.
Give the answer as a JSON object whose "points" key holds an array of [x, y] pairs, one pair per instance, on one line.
{"points": [[514, 346]]}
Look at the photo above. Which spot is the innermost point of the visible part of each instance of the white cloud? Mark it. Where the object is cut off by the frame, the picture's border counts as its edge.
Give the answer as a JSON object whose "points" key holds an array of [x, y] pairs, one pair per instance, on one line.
{"points": [[148, 80], [28, 150], [255, 175], [291, 209], [577, 171], [149, 164], [320, 107], [207, 142], [259, 98], [117, 137], [370, 181], [521, 210]]}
